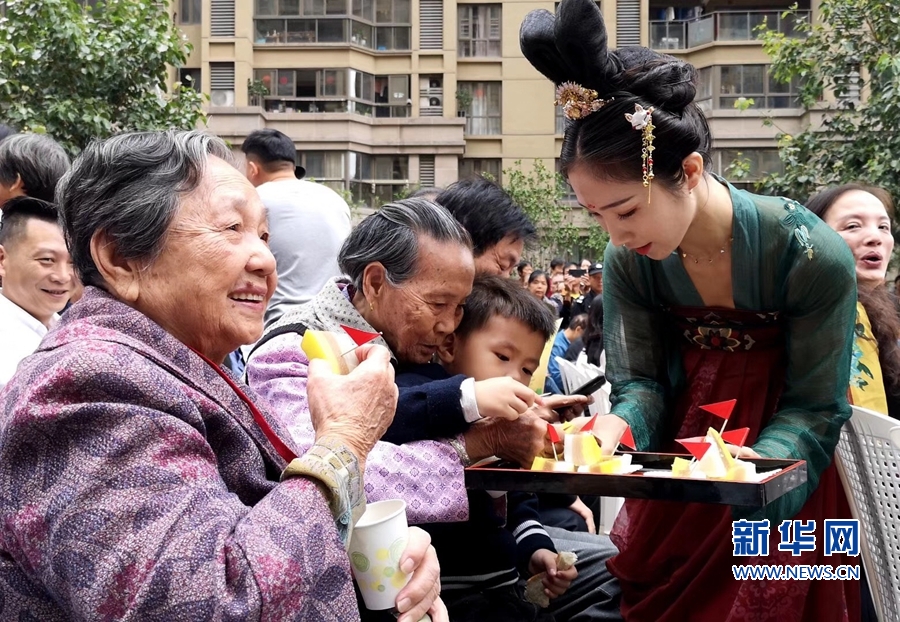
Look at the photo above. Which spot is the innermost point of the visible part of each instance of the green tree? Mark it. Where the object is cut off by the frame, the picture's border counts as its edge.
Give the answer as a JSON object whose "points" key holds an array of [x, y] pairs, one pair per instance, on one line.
{"points": [[79, 72], [853, 49], [562, 228]]}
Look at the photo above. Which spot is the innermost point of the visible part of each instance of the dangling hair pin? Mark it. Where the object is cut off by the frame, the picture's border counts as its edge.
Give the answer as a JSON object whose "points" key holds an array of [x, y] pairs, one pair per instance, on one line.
{"points": [[576, 101], [642, 120]]}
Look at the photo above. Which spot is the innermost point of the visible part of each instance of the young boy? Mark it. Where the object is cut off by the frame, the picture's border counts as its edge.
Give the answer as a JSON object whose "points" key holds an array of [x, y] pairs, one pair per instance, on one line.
{"points": [[502, 334]]}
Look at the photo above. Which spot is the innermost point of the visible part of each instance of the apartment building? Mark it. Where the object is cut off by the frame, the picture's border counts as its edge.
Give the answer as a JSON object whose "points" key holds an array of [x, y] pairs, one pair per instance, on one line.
{"points": [[385, 94]]}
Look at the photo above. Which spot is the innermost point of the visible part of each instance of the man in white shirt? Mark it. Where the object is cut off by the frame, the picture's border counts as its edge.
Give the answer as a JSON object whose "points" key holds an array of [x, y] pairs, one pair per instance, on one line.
{"points": [[38, 279], [308, 222]]}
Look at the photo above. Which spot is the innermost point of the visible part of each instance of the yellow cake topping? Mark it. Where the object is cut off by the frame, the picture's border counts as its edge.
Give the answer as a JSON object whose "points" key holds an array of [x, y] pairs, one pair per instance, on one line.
{"points": [[681, 467], [582, 449], [328, 346]]}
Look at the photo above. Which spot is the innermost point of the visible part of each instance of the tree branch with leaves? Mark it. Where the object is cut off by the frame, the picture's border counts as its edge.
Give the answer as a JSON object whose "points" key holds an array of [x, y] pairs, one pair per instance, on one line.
{"points": [[80, 72], [854, 46]]}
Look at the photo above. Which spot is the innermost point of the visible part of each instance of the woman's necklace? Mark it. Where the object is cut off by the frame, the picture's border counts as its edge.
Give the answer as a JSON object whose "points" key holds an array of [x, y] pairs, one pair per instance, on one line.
{"points": [[710, 258]]}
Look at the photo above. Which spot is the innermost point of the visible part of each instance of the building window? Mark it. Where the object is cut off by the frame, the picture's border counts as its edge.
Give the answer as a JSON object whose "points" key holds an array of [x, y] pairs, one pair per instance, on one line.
{"points": [[324, 167], [381, 25], [478, 167], [335, 90], [376, 180], [759, 162], [483, 118], [190, 11], [479, 30], [704, 89], [755, 82], [565, 190], [190, 77], [560, 120]]}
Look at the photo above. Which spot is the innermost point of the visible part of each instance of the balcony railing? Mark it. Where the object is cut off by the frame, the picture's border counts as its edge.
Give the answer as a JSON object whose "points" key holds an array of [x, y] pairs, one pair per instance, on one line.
{"points": [[722, 26], [435, 98], [331, 31], [336, 104]]}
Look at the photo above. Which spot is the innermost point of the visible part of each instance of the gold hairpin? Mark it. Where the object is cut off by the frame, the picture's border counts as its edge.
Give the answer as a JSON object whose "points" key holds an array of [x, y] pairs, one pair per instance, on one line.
{"points": [[642, 120], [576, 101]]}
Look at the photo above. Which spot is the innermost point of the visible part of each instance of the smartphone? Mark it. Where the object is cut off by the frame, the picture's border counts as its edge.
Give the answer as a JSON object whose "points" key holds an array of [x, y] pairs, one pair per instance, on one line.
{"points": [[577, 273], [589, 387]]}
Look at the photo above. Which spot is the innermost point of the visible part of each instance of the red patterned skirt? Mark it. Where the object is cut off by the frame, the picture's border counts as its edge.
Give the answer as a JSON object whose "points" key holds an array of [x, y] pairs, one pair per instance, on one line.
{"points": [[675, 558]]}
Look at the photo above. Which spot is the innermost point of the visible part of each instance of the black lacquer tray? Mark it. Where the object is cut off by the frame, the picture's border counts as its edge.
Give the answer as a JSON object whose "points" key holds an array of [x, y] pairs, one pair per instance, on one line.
{"points": [[786, 476]]}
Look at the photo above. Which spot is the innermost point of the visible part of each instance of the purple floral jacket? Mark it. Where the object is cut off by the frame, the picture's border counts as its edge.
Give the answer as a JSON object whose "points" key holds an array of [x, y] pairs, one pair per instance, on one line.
{"points": [[135, 485], [428, 475]]}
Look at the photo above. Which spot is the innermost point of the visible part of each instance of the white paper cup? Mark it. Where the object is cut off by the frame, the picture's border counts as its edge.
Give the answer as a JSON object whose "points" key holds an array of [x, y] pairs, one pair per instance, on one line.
{"points": [[378, 540]]}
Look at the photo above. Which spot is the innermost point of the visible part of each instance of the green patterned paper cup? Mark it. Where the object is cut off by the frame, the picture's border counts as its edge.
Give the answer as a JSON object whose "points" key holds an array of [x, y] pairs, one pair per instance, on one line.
{"points": [[378, 540]]}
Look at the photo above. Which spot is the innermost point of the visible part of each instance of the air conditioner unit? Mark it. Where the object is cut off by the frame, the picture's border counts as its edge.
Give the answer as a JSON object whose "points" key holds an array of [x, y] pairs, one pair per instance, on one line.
{"points": [[435, 102], [222, 98], [434, 83]]}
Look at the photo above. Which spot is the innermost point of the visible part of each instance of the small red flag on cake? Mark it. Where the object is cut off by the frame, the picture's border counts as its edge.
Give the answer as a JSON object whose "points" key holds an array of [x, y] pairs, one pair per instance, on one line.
{"points": [[628, 439], [696, 448], [720, 409], [554, 435], [736, 437], [360, 337]]}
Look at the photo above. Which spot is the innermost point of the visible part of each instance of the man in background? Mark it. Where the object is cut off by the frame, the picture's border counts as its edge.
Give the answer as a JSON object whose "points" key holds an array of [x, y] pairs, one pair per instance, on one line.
{"points": [[500, 229], [308, 222], [38, 279], [582, 304]]}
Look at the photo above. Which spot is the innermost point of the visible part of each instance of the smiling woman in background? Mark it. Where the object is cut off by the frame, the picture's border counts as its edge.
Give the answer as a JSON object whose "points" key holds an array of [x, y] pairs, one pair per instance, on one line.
{"points": [[862, 216]]}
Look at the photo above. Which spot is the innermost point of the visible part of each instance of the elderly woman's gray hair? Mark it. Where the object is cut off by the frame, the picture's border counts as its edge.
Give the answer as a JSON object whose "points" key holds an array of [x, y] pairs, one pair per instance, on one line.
{"points": [[130, 186], [36, 159], [390, 237]]}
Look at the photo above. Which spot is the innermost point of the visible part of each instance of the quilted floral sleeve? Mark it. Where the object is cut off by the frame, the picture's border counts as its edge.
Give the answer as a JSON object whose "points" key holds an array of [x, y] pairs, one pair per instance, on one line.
{"points": [[426, 474], [115, 506]]}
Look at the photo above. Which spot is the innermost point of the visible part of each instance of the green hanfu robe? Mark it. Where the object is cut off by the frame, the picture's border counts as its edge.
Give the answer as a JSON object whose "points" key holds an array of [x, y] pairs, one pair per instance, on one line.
{"points": [[784, 353]]}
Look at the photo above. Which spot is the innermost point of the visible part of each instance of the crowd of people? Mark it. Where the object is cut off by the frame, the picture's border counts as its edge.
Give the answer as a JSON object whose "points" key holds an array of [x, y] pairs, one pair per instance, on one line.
{"points": [[168, 450]]}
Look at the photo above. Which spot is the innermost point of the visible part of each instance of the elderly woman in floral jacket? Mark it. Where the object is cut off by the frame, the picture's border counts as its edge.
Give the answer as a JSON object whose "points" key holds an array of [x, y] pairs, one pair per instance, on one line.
{"points": [[409, 270], [138, 480]]}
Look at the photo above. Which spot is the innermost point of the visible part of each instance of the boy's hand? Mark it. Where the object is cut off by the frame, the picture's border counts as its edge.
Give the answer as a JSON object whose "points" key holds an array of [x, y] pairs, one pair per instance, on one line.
{"points": [[556, 582], [502, 398]]}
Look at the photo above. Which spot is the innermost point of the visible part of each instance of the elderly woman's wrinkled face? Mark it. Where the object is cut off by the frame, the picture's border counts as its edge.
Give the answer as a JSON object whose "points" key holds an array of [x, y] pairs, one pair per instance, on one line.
{"points": [[419, 314], [210, 285]]}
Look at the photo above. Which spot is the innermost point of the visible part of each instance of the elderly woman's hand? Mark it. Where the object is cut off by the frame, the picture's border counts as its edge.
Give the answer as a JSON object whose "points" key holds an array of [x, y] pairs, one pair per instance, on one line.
{"points": [[518, 440], [355, 409], [422, 594]]}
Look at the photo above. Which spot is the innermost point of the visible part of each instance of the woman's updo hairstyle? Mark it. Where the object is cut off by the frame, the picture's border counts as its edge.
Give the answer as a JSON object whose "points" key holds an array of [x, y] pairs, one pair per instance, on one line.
{"points": [[572, 46]]}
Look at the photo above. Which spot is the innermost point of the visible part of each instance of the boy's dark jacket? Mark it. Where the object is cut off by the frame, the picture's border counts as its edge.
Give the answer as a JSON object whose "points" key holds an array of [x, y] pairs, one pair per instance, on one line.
{"points": [[493, 548]]}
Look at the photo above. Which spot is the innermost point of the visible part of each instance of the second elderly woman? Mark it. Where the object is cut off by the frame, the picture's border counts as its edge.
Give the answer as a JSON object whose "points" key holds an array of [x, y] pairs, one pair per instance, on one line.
{"points": [[409, 270]]}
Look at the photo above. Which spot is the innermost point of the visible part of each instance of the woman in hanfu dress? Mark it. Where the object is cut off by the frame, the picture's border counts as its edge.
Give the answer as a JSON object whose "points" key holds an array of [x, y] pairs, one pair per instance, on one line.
{"points": [[710, 293]]}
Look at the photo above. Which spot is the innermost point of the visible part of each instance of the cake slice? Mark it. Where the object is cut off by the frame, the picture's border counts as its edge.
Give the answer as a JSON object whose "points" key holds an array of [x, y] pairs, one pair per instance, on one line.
{"points": [[582, 449], [716, 462], [328, 346], [610, 465]]}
